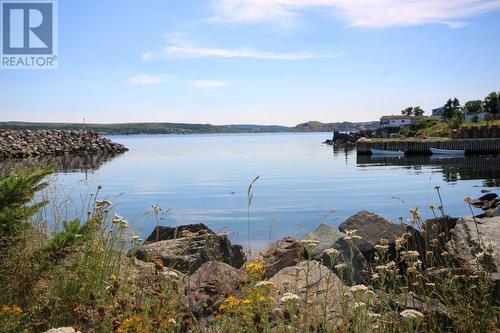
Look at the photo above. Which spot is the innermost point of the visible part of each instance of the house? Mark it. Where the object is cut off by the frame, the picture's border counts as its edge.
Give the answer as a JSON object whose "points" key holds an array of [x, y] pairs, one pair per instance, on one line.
{"points": [[438, 113], [475, 116], [397, 121]]}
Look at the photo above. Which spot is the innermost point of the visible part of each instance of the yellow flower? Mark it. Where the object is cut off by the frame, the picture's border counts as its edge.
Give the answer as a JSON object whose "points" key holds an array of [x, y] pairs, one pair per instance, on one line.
{"points": [[132, 324]]}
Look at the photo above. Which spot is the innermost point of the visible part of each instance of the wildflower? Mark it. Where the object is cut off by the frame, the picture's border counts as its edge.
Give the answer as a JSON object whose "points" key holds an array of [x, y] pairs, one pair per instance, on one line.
{"points": [[373, 315], [400, 241], [430, 284], [351, 235], [432, 206], [188, 234], [119, 221], [489, 249], [359, 305], [429, 254], [310, 242], [468, 199], [254, 266], [444, 254], [437, 187], [230, 302], [410, 255], [411, 314], [375, 276], [441, 234], [381, 248], [359, 287], [136, 239], [434, 242], [263, 284], [102, 203], [415, 213], [383, 241], [170, 274], [289, 297], [340, 266], [332, 252], [14, 309]]}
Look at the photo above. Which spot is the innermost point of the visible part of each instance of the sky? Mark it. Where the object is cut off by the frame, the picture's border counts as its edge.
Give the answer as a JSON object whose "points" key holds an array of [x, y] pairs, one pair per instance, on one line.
{"points": [[258, 61]]}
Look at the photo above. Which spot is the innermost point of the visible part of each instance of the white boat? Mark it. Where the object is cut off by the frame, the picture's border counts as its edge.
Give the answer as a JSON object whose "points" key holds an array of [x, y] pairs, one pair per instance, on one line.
{"points": [[436, 151], [387, 152]]}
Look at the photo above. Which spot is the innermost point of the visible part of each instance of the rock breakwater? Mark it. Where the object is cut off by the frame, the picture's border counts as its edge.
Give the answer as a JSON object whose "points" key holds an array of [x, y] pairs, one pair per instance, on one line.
{"points": [[25, 143]]}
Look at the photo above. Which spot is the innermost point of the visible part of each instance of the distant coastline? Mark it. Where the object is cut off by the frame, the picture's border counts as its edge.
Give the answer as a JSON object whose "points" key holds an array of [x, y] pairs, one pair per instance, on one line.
{"points": [[185, 128]]}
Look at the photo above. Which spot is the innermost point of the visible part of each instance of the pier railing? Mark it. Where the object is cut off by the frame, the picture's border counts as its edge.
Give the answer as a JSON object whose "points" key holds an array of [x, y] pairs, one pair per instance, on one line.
{"points": [[476, 146]]}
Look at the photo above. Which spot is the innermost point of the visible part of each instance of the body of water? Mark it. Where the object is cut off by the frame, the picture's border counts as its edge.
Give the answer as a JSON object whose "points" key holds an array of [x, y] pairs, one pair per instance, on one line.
{"points": [[204, 179]]}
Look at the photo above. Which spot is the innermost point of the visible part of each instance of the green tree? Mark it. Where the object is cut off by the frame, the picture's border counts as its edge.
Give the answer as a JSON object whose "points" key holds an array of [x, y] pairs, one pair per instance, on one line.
{"points": [[492, 102], [407, 112], [475, 106], [17, 206], [418, 111], [451, 108]]}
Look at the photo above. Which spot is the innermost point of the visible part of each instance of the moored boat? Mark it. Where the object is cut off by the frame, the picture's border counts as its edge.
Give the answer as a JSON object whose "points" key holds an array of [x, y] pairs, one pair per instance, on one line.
{"points": [[387, 152], [436, 151]]}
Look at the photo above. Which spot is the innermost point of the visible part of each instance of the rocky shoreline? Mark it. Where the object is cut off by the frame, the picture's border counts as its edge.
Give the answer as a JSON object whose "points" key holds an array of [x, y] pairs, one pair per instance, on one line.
{"points": [[26, 143], [215, 267]]}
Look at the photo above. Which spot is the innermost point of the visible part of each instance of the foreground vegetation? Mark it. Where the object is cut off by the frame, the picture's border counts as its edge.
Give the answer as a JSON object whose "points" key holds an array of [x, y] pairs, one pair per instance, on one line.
{"points": [[79, 276]]}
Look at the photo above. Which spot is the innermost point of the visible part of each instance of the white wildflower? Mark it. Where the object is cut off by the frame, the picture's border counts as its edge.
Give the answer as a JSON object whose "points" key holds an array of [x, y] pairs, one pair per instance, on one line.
{"points": [[351, 235], [332, 252], [102, 203], [410, 255], [289, 297], [119, 221], [310, 242], [411, 314], [359, 287], [263, 284]]}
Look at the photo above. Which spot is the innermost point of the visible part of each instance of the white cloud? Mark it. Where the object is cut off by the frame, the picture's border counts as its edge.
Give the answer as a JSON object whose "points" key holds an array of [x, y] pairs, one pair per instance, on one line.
{"points": [[209, 84], [179, 48], [359, 13], [147, 79]]}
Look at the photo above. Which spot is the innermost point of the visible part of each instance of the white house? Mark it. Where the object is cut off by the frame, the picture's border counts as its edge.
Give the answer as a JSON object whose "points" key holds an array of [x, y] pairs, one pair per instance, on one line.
{"points": [[397, 121], [469, 116]]}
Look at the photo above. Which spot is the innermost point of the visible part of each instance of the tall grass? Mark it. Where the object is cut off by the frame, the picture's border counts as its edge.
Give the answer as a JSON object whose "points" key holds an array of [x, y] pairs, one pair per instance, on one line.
{"points": [[80, 276]]}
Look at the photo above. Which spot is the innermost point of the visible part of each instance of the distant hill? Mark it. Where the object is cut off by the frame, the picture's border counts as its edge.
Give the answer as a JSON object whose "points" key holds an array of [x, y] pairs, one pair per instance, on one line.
{"points": [[316, 126], [183, 128]]}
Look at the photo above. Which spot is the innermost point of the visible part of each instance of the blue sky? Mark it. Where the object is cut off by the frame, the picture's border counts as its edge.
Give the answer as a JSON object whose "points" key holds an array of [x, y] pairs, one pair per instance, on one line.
{"points": [[258, 61]]}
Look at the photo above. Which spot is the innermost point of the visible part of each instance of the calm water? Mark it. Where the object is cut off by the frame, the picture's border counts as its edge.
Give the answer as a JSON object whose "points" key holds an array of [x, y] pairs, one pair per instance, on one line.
{"points": [[204, 178]]}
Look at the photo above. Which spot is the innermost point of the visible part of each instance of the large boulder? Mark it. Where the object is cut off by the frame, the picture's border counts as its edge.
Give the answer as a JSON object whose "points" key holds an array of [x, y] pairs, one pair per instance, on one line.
{"points": [[489, 203], [469, 250], [326, 235], [372, 228], [161, 233], [209, 284], [189, 251], [313, 282], [280, 254], [329, 238]]}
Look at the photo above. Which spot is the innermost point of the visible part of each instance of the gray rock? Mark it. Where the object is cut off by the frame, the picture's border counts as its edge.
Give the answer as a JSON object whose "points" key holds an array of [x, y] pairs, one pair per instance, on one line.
{"points": [[187, 254], [372, 228], [280, 254], [312, 281], [326, 235], [350, 254], [207, 286], [467, 247]]}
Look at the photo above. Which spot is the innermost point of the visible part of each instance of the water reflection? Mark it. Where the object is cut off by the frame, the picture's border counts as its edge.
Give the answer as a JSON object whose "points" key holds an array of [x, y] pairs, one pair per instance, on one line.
{"points": [[62, 163], [469, 167]]}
